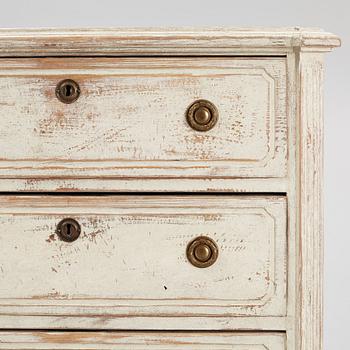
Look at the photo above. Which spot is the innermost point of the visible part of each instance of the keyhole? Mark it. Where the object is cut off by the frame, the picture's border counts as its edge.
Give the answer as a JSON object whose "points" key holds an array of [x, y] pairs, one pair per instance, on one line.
{"points": [[68, 90], [68, 230]]}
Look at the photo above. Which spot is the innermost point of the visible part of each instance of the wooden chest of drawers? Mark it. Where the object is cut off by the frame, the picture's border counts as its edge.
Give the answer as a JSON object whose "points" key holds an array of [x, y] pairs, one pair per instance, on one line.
{"points": [[161, 189]]}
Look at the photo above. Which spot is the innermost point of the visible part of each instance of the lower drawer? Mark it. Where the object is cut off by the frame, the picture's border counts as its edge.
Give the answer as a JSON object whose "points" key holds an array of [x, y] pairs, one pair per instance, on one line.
{"points": [[141, 341], [139, 256]]}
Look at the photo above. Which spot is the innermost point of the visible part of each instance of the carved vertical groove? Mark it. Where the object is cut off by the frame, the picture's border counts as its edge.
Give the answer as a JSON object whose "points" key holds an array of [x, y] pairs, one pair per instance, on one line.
{"points": [[310, 202]]}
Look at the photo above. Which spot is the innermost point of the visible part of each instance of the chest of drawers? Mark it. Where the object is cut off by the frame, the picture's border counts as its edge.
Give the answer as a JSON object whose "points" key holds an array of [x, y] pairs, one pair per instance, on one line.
{"points": [[161, 189]]}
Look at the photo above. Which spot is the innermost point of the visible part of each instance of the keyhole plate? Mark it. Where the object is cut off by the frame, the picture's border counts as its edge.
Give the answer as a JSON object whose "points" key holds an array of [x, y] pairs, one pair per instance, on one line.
{"points": [[68, 230], [67, 91]]}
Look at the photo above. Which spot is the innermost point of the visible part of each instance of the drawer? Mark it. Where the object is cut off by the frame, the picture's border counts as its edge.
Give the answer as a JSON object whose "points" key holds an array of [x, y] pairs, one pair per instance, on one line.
{"points": [[130, 119], [142, 341], [141, 255]]}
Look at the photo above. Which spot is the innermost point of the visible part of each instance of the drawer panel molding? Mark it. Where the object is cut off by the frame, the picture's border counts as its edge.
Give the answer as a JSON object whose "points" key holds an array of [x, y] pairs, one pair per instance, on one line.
{"points": [[130, 257], [130, 118]]}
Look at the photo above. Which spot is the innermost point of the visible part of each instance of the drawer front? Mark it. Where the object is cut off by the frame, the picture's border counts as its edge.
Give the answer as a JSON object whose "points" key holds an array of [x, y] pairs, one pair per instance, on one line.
{"points": [[130, 118], [131, 257], [141, 341]]}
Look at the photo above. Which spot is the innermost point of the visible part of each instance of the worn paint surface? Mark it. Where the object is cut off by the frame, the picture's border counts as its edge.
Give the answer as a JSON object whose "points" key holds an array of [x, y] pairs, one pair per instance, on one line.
{"points": [[310, 195], [131, 256], [164, 41], [142, 341], [130, 118], [127, 132]]}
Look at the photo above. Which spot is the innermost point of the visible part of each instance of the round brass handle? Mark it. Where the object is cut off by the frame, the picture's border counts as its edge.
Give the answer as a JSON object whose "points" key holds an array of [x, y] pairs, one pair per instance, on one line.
{"points": [[68, 230], [202, 115], [67, 91], [202, 252]]}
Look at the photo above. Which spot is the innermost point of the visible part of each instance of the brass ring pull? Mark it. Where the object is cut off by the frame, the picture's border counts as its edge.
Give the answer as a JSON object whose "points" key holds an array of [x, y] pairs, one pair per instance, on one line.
{"points": [[67, 91], [202, 115], [202, 252], [68, 230]]}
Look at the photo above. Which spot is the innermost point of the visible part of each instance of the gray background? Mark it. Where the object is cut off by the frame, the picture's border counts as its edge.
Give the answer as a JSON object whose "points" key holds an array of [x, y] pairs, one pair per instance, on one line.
{"points": [[332, 16]]}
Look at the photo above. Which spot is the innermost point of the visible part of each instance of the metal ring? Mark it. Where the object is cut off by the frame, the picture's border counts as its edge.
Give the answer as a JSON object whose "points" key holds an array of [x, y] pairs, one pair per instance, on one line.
{"points": [[201, 106], [202, 252]]}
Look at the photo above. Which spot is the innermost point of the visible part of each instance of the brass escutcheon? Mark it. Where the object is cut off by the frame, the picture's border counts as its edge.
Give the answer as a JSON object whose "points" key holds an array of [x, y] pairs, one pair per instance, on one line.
{"points": [[202, 115], [67, 91], [202, 252], [68, 230]]}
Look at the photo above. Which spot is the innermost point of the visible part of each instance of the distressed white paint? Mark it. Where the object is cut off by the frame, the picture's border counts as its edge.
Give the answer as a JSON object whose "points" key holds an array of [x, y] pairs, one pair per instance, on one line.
{"points": [[141, 341], [310, 195], [130, 118], [166, 41], [131, 256], [146, 185], [281, 135], [160, 323]]}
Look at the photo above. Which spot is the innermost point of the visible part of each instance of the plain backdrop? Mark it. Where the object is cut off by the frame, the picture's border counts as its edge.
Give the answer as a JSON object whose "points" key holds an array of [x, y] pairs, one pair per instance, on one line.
{"points": [[333, 16]]}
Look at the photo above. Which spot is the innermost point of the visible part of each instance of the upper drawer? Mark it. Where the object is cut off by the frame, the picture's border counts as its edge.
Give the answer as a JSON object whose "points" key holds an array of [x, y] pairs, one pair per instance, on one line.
{"points": [[142, 256], [130, 118]]}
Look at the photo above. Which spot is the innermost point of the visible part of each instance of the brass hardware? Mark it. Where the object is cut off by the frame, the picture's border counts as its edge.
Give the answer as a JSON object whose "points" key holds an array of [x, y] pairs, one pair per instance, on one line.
{"points": [[67, 91], [202, 252], [68, 230], [202, 115]]}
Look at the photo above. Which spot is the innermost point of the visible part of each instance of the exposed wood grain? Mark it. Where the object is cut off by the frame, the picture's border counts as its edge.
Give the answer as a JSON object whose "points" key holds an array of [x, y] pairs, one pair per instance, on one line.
{"points": [[167, 41], [130, 118], [131, 256], [141, 341]]}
